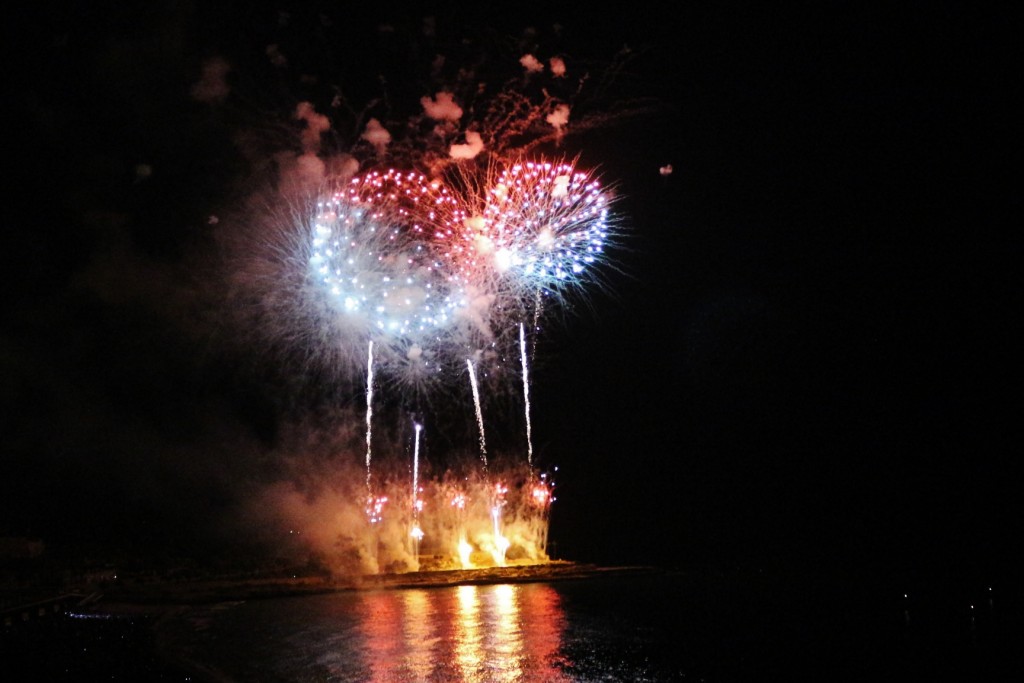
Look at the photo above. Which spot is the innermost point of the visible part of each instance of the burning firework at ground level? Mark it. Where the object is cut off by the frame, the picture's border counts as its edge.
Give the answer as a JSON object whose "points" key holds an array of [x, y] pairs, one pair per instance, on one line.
{"points": [[484, 520], [406, 513]]}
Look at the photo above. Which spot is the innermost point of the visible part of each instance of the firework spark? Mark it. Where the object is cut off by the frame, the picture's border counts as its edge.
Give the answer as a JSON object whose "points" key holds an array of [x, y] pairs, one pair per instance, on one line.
{"points": [[527, 226], [370, 257]]}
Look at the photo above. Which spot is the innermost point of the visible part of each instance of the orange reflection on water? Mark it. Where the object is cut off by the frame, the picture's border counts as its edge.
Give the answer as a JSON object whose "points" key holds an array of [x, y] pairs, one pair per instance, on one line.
{"points": [[380, 624], [419, 636], [468, 646], [506, 639], [473, 634], [509, 632], [541, 610]]}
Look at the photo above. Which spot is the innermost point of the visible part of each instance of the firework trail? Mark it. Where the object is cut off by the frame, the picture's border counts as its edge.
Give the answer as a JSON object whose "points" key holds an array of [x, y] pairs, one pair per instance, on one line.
{"points": [[479, 413], [369, 417], [526, 395], [416, 470], [417, 503], [500, 543]]}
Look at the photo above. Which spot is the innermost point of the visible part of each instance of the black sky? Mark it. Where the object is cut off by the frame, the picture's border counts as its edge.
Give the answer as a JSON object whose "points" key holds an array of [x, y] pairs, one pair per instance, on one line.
{"points": [[811, 356]]}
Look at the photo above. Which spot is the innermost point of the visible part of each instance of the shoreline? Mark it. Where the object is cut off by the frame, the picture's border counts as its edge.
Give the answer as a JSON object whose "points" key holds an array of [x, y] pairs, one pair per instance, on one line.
{"points": [[143, 597]]}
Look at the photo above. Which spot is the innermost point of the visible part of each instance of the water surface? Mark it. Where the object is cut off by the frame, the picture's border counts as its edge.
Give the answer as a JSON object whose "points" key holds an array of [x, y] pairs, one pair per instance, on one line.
{"points": [[656, 627]]}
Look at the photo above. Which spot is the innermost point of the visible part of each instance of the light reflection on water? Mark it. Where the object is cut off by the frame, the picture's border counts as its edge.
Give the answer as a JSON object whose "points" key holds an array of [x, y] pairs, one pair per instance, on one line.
{"points": [[465, 633], [474, 634], [632, 628], [468, 649]]}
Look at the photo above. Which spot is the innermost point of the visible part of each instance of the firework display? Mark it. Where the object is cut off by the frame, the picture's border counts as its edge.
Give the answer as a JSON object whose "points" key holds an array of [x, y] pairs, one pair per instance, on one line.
{"points": [[436, 283], [405, 263], [412, 265], [427, 273], [408, 264]]}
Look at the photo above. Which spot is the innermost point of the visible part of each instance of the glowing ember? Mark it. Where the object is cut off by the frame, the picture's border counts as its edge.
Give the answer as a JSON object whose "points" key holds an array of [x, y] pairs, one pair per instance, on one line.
{"points": [[375, 508]]}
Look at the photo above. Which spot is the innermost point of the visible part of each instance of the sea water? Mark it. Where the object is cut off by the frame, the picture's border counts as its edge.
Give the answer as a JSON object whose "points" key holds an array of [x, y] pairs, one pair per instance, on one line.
{"points": [[656, 626], [646, 627], [579, 630]]}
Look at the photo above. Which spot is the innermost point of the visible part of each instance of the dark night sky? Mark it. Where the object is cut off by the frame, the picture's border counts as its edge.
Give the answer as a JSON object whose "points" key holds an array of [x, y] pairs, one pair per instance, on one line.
{"points": [[811, 355]]}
